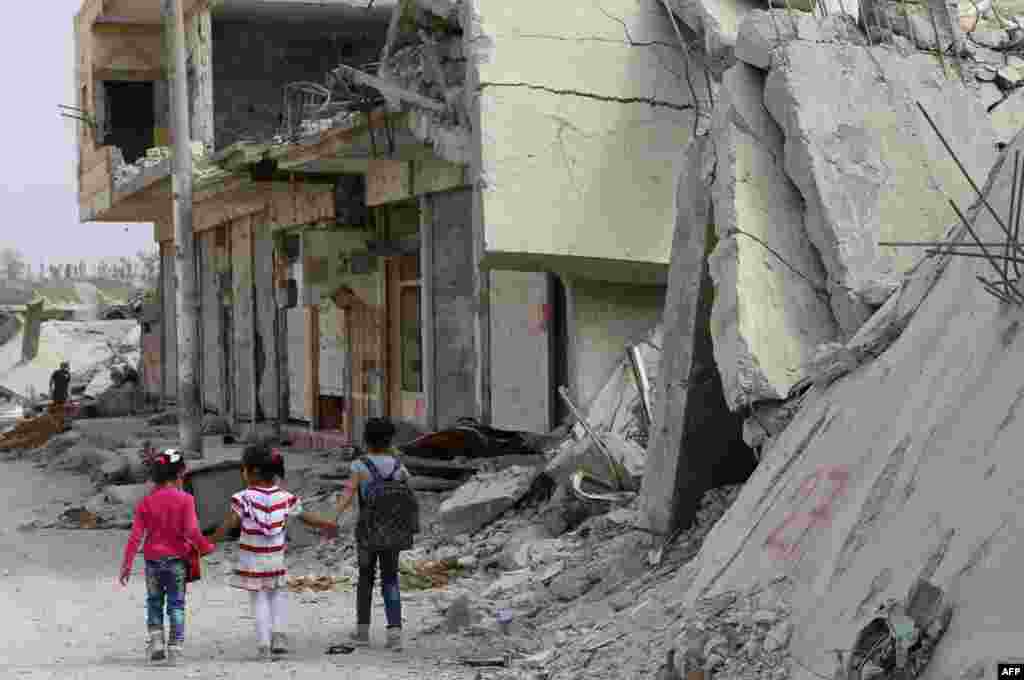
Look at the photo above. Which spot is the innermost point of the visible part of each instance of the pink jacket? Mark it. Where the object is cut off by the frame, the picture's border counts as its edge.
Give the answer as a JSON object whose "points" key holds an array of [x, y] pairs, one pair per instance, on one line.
{"points": [[167, 517]]}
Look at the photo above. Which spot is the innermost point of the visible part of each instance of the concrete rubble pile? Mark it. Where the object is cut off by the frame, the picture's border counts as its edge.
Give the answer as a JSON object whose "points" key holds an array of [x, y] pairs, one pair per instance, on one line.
{"points": [[123, 173]]}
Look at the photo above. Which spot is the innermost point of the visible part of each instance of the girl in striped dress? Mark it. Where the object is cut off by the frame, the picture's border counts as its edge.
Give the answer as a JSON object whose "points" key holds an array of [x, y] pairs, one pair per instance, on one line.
{"points": [[261, 512]]}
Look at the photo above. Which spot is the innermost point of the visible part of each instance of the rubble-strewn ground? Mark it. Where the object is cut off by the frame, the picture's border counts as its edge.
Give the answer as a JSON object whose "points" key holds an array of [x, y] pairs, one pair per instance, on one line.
{"points": [[558, 592]]}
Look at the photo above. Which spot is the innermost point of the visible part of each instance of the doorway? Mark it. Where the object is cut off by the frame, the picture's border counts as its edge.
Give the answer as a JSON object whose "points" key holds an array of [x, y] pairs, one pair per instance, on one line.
{"points": [[406, 396]]}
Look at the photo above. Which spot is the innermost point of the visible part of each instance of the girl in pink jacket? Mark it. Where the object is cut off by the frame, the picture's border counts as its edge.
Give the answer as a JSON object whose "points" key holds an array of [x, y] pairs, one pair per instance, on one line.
{"points": [[167, 518]]}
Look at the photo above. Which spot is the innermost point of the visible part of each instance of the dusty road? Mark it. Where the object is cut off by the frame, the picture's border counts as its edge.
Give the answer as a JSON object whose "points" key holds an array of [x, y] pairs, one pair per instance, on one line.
{"points": [[66, 618]]}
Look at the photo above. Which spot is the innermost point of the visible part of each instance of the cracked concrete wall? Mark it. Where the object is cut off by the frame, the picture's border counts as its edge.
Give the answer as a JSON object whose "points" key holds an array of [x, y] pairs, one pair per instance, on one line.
{"points": [[520, 323], [923, 448], [582, 112], [254, 61], [603, 320], [867, 163], [770, 313]]}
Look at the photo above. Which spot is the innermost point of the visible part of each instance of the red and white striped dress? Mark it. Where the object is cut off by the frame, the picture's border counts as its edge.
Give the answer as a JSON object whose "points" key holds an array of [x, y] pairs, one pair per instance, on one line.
{"points": [[264, 513]]}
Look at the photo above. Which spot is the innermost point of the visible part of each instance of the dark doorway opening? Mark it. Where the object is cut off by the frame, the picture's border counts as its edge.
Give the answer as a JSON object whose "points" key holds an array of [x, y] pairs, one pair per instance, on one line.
{"points": [[713, 450], [558, 349], [131, 120]]}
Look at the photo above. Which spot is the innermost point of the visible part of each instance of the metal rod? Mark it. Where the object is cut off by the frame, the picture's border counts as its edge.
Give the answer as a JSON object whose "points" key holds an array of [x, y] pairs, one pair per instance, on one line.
{"points": [[1013, 210], [994, 291], [936, 244], [642, 383], [1010, 289], [938, 39], [967, 176], [1016, 221], [1003, 258], [598, 442]]}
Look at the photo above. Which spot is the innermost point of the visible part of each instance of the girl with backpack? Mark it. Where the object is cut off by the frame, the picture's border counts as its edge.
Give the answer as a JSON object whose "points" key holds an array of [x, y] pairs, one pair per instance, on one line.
{"points": [[261, 511], [167, 517], [388, 519]]}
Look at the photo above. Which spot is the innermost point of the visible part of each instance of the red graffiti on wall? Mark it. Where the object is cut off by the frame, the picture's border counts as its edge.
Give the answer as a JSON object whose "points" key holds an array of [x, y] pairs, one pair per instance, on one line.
{"points": [[820, 513], [540, 317]]}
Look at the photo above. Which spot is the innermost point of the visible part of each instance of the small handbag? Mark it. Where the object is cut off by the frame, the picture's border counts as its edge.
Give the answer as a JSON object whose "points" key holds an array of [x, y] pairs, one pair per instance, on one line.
{"points": [[194, 564]]}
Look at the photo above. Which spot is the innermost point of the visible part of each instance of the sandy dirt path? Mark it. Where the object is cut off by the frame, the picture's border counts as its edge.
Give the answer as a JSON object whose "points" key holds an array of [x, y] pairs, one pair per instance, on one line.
{"points": [[66, 618]]}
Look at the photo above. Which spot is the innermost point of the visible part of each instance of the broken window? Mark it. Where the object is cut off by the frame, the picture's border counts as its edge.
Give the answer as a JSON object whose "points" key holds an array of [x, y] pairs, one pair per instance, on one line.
{"points": [[130, 120]]}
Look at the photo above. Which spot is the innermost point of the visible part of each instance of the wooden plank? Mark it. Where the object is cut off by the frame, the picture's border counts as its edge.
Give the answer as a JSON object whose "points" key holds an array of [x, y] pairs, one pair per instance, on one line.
{"points": [[89, 156], [97, 180], [129, 74], [311, 317], [388, 181], [214, 214], [432, 176]]}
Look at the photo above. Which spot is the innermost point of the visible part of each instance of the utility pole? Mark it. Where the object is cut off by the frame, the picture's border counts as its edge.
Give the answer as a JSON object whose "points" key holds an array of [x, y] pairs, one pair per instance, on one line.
{"points": [[189, 413]]}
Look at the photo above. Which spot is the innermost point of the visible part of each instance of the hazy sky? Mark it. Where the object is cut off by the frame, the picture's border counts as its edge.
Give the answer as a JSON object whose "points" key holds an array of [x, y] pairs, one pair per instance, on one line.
{"points": [[37, 175]]}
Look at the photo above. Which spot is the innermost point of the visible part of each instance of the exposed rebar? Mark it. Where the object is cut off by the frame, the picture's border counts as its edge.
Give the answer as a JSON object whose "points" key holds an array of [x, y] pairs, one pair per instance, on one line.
{"points": [[967, 176], [1010, 289], [1016, 220]]}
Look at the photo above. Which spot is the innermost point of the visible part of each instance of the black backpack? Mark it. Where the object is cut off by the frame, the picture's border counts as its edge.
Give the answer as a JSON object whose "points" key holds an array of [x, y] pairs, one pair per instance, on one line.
{"points": [[389, 514]]}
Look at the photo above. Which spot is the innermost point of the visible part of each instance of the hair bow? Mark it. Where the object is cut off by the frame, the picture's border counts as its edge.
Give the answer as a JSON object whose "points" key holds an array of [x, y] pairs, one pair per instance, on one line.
{"points": [[170, 456]]}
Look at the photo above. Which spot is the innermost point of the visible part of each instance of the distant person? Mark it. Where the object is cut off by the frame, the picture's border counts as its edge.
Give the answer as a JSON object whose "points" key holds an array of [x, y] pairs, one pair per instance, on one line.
{"points": [[167, 516], [60, 382], [261, 511], [388, 520]]}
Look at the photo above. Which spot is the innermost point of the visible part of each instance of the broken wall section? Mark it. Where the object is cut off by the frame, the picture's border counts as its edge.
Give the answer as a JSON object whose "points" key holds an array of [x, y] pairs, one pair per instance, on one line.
{"points": [[580, 112], [255, 60], [866, 162]]}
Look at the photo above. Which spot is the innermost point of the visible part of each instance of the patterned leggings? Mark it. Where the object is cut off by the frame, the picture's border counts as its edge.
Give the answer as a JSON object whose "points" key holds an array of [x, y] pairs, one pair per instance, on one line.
{"points": [[165, 583]]}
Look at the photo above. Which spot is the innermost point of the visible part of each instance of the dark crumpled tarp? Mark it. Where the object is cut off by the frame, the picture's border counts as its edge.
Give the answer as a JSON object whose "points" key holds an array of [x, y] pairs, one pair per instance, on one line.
{"points": [[471, 439]]}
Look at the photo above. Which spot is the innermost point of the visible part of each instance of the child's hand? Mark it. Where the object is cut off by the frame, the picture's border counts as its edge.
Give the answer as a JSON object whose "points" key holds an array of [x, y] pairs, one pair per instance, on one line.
{"points": [[126, 573]]}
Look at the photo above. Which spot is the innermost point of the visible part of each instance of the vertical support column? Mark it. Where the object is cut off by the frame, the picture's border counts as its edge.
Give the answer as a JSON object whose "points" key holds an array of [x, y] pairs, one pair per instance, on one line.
{"points": [[189, 416], [311, 317], [427, 326], [253, 331], [482, 307]]}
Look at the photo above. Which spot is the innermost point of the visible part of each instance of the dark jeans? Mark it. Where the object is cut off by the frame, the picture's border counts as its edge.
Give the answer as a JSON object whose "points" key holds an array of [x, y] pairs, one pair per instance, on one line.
{"points": [[165, 583], [388, 561]]}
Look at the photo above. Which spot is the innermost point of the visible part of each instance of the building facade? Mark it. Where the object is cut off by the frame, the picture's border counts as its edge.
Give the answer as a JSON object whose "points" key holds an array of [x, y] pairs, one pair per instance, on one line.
{"points": [[426, 210]]}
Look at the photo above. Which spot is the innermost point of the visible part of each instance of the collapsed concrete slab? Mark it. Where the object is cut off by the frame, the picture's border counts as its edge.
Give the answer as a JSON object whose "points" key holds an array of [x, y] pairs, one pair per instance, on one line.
{"points": [[717, 22], [905, 469], [484, 497], [770, 309], [762, 31], [866, 162], [695, 441]]}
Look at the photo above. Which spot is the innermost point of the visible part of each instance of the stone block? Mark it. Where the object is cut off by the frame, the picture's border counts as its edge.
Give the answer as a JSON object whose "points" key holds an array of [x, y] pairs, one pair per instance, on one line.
{"points": [[867, 163], [770, 309], [762, 31], [485, 497], [126, 494]]}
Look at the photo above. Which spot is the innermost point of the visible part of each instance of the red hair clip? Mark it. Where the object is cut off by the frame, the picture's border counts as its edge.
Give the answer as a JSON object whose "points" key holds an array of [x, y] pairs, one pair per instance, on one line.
{"points": [[275, 456]]}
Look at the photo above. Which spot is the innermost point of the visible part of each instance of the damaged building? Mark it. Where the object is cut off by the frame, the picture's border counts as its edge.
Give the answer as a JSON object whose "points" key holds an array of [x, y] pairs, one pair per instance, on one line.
{"points": [[426, 210]]}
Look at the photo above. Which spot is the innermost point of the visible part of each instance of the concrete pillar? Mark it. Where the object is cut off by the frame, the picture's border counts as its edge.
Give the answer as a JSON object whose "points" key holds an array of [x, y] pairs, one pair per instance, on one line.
{"points": [[456, 359], [33, 326], [311, 318], [427, 326], [212, 322], [169, 344], [267, 355], [695, 443], [242, 311]]}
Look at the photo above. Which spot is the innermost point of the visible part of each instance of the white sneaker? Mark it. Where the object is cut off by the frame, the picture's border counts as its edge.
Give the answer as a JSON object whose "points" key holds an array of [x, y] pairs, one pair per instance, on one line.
{"points": [[155, 647], [173, 654], [395, 639]]}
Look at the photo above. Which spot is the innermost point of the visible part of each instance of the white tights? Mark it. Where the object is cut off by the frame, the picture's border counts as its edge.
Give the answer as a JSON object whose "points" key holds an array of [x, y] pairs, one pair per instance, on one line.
{"points": [[268, 609]]}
